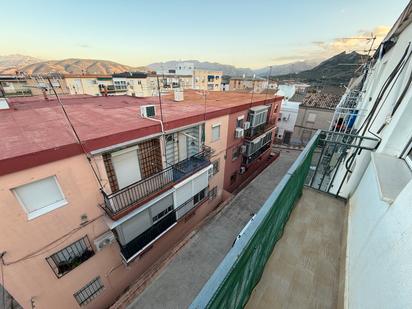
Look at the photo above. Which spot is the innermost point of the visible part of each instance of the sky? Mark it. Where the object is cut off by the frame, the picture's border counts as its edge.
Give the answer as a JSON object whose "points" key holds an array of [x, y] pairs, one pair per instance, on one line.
{"points": [[242, 33]]}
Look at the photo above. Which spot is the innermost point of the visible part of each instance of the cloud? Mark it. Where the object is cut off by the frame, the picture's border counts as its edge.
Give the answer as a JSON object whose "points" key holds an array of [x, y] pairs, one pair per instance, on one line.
{"points": [[84, 45], [359, 41]]}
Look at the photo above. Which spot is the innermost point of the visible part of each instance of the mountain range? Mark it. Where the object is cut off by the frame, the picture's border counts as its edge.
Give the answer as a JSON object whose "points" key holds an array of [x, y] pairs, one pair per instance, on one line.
{"points": [[12, 63], [334, 71], [230, 70]]}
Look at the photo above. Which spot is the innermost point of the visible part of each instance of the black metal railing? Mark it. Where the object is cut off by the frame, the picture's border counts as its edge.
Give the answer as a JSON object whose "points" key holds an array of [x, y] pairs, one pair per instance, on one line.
{"points": [[70, 257], [256, 154], [336, 149], [129, 196], [253, 132]]}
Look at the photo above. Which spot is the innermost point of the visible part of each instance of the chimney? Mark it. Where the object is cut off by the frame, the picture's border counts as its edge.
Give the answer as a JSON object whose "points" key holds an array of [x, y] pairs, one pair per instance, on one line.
{"points": [[179, 96], [44, 91]]}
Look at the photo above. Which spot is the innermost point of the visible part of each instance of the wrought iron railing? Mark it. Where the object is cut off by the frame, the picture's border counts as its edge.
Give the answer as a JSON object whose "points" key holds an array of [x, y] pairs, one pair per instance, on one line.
{"points": [[336, 149], [130, 196], [253, 132], [256, 154]]}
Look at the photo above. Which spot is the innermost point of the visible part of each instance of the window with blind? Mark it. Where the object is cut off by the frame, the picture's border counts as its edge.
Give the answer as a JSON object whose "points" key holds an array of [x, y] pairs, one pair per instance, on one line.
{"points": [[215, 132], [40, 197]]}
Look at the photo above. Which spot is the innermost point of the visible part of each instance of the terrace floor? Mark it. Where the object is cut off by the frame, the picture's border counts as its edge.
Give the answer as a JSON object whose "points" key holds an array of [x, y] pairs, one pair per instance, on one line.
{"points": [[303, 270], [181, 280]]}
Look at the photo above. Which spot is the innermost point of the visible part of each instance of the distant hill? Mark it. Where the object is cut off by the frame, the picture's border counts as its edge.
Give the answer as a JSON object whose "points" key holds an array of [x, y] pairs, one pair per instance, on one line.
{"points": [[334, 71], [231, 70], [10, 63], [72, 66], [288, 68]]}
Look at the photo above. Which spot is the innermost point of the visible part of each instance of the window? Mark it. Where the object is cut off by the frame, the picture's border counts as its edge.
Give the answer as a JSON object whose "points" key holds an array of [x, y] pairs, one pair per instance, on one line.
{"points": [[233, 178], [215, 132], [235, 153], [40, 197], [162, 213], [213, 193], [89, 292], [199, 197], [239, 122], [215, 167], [70, 257]]}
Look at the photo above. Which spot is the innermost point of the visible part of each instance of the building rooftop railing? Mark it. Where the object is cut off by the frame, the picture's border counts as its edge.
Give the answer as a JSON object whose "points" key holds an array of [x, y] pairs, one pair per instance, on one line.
{"points": [[122, 201], [232, 283], [234, 280]]}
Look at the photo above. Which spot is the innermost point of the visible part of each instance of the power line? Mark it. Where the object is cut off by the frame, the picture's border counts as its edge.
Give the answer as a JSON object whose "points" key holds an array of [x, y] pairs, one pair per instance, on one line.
{"points": [[75, 133]]}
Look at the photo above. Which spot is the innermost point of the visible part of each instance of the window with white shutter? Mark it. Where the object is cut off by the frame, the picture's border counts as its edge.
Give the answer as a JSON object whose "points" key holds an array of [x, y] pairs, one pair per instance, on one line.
{"points": [[40, 197]]}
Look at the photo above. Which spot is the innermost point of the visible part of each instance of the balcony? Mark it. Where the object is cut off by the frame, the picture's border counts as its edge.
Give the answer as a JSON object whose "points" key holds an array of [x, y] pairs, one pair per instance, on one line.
{"points": [[126, 199], [253, 132], [250, 159], [291, 253]]}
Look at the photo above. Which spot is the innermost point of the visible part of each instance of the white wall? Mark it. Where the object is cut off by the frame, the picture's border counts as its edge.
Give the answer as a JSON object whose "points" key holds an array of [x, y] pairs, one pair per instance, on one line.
{"points": [[288, 115], [379, 263]]}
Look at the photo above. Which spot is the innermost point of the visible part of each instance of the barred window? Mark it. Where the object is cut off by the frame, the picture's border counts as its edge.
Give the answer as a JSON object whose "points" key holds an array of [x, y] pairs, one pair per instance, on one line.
{"points": [[89, 292], [213, 193], [70, 257], [215, 167]]}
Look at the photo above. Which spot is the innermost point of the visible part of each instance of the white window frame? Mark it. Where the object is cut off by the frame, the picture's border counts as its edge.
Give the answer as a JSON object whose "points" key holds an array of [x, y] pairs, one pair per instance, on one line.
{"points": [[407, 159], [46, 209], [220, 132]]}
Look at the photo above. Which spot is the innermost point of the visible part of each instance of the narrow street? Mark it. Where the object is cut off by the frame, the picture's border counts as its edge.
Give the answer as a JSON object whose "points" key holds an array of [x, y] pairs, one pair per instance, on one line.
{"points": [[181, 280]]}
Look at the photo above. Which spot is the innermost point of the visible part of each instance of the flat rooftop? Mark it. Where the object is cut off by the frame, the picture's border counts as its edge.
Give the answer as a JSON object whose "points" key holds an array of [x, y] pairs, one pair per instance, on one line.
{"points": [[35, 131]]}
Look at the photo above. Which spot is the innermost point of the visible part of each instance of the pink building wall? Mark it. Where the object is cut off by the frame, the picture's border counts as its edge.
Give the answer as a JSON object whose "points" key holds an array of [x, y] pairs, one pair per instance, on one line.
{"points": [[233, 166], [33, 278]]}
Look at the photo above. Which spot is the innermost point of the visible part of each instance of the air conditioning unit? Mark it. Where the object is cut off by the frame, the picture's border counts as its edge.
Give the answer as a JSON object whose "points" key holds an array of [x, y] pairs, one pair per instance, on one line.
{"points": [[242, 170], [104, 240], [246, 125], [147, 111], [239, 132], [243, 149]]}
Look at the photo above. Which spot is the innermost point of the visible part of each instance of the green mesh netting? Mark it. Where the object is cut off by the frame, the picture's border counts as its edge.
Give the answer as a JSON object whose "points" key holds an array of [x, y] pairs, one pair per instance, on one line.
{"points": [[236, 288]]}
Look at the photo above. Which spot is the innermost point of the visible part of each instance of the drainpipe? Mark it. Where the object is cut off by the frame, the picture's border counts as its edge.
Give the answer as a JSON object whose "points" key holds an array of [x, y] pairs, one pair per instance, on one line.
{"points": [[163, 136]]}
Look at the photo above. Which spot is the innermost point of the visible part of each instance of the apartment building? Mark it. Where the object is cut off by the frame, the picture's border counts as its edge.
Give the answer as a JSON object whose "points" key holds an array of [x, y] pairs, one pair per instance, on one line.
{"points": [[136, 84], [207, 80], [91, 84], [286, 122], [86, 212], [255, 83], [25, 85], [251, 134], [359, 256]]}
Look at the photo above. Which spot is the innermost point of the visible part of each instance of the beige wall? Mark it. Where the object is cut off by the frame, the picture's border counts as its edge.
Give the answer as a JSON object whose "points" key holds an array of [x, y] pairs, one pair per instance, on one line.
{"points": [[201, 81], [219, 150], [84, 85], [305, 127]]}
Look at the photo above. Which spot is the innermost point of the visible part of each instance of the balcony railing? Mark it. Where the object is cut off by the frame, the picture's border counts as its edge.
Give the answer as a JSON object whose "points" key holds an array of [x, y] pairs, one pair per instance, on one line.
{"points": [[119, 202], [257, 154], [253, 132], [234, 280]]}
